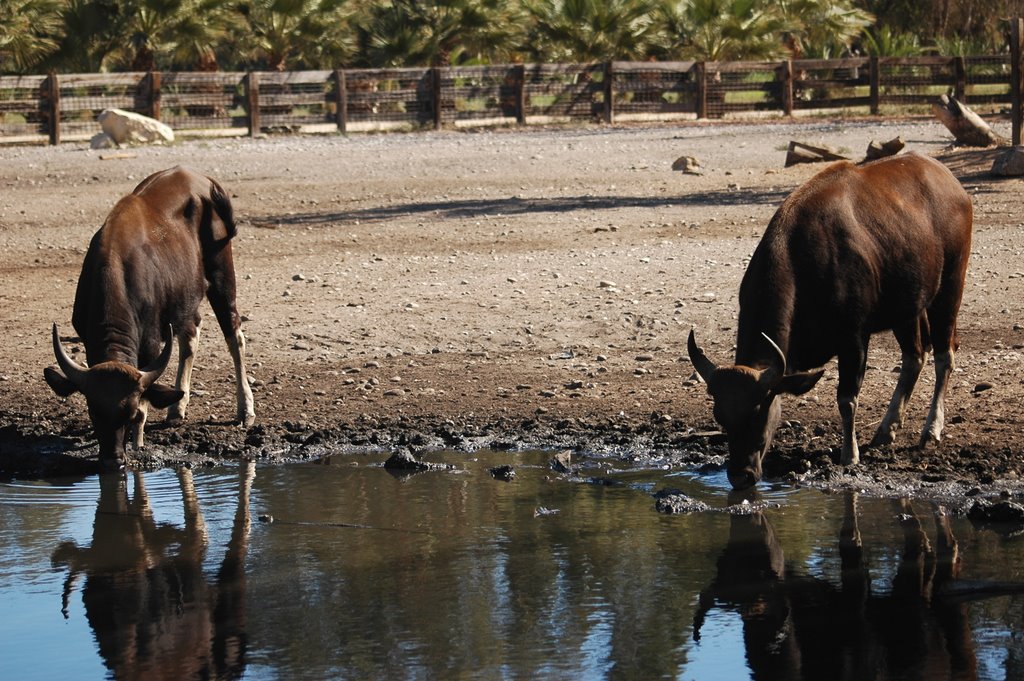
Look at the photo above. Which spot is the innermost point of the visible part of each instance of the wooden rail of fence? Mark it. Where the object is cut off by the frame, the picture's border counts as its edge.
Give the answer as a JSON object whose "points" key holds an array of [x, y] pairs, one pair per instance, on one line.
{"points": [[65, 106]]}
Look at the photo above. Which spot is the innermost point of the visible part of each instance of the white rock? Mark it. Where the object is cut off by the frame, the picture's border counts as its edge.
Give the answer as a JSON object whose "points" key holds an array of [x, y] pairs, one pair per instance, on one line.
{"points": [[128, 127]]}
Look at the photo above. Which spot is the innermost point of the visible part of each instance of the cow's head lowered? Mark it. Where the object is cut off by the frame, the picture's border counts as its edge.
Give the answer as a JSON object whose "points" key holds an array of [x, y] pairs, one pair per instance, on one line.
{"points": [[747, 406], [117, 393]]}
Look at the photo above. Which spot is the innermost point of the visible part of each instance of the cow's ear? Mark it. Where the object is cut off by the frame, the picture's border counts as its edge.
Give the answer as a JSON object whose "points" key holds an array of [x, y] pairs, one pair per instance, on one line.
{"points": [[58, 382], [162, 396], [798, 383]]}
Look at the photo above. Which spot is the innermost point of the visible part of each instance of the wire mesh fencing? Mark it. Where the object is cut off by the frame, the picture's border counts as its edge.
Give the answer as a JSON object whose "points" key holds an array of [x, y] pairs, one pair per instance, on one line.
{"points": [[63, 106]]}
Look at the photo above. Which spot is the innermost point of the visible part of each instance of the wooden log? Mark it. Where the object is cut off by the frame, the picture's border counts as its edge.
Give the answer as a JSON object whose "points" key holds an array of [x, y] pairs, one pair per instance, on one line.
{"points": [[968, 128], [878, 149], [801, 152]]}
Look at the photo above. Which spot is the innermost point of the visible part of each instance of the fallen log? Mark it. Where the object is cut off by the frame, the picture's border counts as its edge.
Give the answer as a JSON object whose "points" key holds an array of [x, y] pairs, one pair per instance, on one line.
{"points": [[968, 128], [878, 149], [801, 152]]}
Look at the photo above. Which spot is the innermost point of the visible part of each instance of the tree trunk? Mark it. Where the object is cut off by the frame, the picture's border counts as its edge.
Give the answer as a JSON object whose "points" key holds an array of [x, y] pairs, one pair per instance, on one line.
{"points": [[967, 127]]}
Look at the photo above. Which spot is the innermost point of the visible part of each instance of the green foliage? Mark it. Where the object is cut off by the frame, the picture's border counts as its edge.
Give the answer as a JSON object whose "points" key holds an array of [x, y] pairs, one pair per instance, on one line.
{"points": [[28, 33], [282, 34], [96, 35], [440, 33], [885, 42], [724, 30], [823, 29], [590, 30]]}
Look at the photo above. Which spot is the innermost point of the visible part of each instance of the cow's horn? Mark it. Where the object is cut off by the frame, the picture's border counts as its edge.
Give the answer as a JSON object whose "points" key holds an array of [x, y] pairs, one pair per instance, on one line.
{"points": [[151, 373], [777, 368], [704, 366], [74, 371]]}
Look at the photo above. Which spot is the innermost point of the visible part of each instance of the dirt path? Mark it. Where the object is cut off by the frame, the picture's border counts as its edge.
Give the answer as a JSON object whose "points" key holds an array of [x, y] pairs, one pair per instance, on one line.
{"points": [[496, 289]]}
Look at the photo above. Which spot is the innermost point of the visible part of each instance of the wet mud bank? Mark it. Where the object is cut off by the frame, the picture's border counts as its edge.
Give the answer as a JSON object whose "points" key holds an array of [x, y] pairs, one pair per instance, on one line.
{"points": [[599, 448]]}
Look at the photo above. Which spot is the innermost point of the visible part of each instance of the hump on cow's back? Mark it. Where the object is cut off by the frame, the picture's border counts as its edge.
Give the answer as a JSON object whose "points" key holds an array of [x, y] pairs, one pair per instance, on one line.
{"points": [[200, 199]]}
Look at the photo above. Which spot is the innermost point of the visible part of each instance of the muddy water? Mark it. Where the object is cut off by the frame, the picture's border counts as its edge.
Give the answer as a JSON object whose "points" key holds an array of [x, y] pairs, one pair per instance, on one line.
{"points": [[453, 574]]}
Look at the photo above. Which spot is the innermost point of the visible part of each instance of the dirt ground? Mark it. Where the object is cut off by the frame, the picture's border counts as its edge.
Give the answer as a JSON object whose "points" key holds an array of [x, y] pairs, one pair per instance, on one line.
{"points": [[503, 289]]}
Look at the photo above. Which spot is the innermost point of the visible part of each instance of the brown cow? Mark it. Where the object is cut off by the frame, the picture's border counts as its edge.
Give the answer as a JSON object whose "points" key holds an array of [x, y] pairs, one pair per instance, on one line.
{"points": [[854, 251], [162, 248]]}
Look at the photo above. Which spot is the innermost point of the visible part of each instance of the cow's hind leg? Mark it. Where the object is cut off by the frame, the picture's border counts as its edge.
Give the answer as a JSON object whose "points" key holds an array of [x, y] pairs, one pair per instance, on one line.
{"points": [[909, 337], [933, 425], [188, 342], [231, 325], [942, 319], [852, 362]]}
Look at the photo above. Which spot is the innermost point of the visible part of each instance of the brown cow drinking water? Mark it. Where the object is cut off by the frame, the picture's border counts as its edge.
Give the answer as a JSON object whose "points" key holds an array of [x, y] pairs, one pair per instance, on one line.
{"points": [[162, 248], [854, 251]]}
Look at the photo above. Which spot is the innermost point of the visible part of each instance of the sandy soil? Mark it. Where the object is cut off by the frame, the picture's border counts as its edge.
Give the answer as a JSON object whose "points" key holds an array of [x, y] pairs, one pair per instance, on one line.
{"points": [[501, 289]]}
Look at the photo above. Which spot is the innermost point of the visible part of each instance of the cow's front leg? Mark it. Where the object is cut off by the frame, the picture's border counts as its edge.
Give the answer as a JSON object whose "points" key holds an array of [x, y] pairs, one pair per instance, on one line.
{"points": [[139, 425], [188, 343], [852, 363], [933, 425]]}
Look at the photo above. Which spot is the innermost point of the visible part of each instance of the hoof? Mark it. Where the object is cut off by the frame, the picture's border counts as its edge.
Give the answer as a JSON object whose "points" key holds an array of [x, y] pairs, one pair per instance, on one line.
{"points": [[246, 420], [112, 465], [882, 439]]}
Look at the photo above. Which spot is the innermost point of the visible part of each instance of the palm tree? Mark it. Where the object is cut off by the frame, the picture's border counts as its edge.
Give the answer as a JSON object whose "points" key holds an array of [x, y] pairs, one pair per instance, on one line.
{"points": [[90, 32], [441, 32], [591, 30], [824, 28], [284, 33], [29, 30], [155, 34], [723, 30], [885, 42]]}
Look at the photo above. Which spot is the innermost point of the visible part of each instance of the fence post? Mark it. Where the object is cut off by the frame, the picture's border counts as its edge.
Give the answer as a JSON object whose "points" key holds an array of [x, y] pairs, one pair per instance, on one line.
{"points": [[875, 96], [609, 93], [520, 77], [51, 95], [435, 91], [340, 100], [786, 71], [960, 78], [252, 98], [700, 73], [154, 95], [1016, 35]]}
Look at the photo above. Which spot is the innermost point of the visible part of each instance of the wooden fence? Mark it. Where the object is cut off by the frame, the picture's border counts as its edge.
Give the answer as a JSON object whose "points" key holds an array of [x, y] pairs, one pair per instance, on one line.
{"points": [[65, 106]]}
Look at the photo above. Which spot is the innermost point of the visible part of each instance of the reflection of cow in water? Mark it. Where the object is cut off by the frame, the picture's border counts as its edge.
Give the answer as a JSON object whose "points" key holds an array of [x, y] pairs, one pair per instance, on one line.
{"points": [[798, 626], [152, 609]]}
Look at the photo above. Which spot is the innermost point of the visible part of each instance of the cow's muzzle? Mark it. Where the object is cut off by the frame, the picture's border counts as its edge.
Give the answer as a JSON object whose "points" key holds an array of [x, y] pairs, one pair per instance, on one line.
{"points": [[743, 478]]}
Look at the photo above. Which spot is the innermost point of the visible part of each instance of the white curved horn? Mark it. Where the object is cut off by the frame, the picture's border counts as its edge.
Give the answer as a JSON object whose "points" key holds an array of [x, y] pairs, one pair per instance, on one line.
{"points": [[75, 372], [777, 369], [704, 366], [151, 373]]}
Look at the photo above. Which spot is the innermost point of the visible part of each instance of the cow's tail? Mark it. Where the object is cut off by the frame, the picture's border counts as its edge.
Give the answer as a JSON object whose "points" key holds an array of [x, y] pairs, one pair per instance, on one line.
{"points": [[222, 208]]}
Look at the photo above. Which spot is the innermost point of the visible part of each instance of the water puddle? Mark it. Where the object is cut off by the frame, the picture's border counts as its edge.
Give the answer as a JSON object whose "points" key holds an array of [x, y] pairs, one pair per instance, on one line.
{"points": [[342, 570]]}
